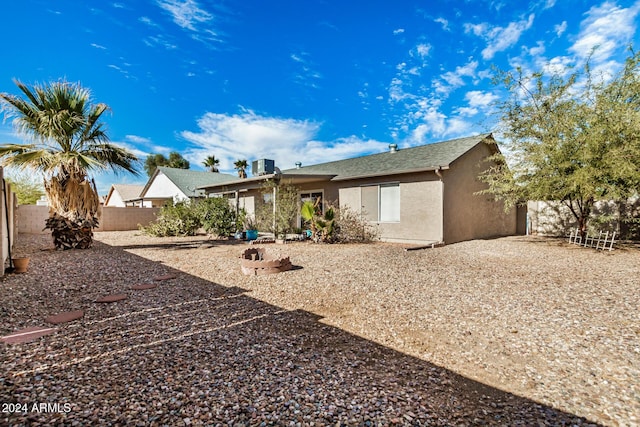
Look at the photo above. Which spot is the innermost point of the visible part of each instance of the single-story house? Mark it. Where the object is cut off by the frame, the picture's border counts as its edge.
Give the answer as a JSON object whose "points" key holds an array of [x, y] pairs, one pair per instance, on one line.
{"points": [[425, 194], [121, 195], [177, 185]]}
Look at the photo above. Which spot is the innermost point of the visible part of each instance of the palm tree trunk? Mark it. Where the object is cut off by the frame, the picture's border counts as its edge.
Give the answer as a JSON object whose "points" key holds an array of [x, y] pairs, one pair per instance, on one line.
{"points": [[73, 212]]}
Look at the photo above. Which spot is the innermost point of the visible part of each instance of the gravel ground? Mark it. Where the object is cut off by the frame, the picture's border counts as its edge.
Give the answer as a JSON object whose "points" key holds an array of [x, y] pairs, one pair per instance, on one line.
{"points": [[512, 331]]}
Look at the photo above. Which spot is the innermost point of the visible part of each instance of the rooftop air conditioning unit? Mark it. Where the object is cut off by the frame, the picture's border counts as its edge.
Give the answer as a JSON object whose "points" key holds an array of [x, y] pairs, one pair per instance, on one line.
{"points": [[262, 167]]}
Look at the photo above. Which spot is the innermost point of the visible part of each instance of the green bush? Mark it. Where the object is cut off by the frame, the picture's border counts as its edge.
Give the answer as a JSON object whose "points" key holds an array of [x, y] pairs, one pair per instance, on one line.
{"points": [[174, 219], [217, 216], [214, 214]]}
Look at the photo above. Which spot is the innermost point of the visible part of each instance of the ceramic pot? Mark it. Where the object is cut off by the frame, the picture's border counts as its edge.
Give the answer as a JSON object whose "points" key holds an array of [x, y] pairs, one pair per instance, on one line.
{"points": [[20, 264]]}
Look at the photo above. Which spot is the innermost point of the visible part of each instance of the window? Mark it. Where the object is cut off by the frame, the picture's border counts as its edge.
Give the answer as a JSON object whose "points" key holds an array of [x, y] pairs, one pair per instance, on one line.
{"points": [[381, 203], [313, 196]]}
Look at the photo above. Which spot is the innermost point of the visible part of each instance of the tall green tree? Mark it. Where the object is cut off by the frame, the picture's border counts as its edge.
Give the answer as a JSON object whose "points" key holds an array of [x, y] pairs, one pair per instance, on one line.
{"points": [[572, 136], [241, 166], [211, 163], [175, 160], [27, 186], [66, 140]]}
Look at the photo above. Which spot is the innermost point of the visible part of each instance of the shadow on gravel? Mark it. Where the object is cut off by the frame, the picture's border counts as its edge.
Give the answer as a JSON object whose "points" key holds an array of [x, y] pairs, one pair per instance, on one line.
{"points": [[191, 352]]}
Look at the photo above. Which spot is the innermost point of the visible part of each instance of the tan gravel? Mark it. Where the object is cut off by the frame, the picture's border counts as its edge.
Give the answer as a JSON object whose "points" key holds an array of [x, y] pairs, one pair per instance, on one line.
{"points": [[512, 331]]}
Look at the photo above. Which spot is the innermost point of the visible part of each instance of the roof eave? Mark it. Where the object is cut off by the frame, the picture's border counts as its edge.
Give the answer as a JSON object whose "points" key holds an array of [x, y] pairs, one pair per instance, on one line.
{"points": [[388, 173], [256, 181]]}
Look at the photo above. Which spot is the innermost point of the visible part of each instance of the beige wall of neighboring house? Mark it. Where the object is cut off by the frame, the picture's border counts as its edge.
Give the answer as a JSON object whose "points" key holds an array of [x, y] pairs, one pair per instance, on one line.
{"points": [[467, 215]]}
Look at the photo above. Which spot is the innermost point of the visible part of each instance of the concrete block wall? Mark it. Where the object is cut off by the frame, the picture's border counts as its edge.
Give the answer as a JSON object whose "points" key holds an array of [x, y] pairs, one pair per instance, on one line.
{"points": [[31, 218], [122, 219]]}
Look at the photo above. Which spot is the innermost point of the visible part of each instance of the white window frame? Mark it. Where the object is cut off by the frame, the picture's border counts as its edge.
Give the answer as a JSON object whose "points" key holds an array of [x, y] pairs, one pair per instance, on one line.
{"points": [[310, 192], [380, 210]]}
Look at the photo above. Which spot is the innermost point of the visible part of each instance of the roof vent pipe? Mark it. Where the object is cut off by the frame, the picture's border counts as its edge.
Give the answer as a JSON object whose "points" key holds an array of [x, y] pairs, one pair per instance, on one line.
{"points": [[393, 148], [298, 165]]}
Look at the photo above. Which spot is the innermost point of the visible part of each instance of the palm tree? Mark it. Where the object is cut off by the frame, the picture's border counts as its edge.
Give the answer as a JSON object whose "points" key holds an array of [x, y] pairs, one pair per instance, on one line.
{"points": [[67, 140], [242, 166], [212, 163]]}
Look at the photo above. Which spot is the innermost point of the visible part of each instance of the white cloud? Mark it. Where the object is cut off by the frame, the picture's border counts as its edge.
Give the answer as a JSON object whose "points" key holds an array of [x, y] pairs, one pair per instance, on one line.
{"points": [[479, 99], [560, 28], [251, 136], [147, 21], [454, 79], [398, 31], [499, 38], [423, 49], [97, 46], [159, 40], [186, 13], [607, 27], [189, 15], [443, 22], [305, 74], [538, 50], [137, 139]]}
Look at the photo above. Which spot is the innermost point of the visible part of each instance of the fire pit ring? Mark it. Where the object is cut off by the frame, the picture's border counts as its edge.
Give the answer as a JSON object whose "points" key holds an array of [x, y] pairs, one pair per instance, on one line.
{"points": [[256, 261]]}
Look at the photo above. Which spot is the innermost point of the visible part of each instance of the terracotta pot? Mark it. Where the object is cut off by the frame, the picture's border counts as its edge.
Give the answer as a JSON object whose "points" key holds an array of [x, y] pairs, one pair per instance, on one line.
{"points": [[20, 264]]}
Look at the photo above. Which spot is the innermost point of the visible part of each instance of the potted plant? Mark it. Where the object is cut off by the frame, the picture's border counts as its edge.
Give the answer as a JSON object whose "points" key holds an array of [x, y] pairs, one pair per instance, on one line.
{"points": [[241, 218], [251, 228]]}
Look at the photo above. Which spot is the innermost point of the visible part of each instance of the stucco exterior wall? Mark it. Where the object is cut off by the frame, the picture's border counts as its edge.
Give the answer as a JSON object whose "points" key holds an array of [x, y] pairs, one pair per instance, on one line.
{"points": [[468, 216], [420, 207], [162, 187], [115, 200]]}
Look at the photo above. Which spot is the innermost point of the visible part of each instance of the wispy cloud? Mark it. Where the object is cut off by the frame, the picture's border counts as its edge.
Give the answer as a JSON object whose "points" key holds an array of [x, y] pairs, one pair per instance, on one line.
{"points": [[97, 46], [186, 13], [137, 139], [305, 73], [148, 21], [455, 79], [398, 31], [560, 28], [250, 136], [443, 22], [189, 15], [499, 38], [159, 40], [607, 27]]}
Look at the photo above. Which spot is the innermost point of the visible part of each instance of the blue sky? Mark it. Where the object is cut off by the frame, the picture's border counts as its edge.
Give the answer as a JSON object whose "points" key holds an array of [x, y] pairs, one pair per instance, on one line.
{"points": [[308, 81]]}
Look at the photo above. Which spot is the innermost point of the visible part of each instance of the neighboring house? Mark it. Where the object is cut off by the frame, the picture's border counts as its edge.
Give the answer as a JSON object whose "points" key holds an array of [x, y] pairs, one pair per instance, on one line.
{"points": [[177, 185], [422, 194], [122, 195]]}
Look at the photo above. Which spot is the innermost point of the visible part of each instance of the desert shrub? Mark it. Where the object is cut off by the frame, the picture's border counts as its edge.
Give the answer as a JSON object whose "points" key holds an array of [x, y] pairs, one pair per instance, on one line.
{"points": [[338, 225], [214, 214], [352, 228], [286, 208], [217, 216], [174, 219]]}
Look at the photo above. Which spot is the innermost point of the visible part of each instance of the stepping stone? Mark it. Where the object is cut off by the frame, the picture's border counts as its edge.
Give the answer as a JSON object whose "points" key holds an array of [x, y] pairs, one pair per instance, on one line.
{"points": [[165, 277], [27, 335], [143, 286], [65, 317], [112, 298]]}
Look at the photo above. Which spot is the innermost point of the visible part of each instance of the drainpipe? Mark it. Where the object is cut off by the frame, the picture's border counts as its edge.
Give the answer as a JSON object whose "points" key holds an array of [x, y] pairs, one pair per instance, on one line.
{"points": [[439, 175], [275, 193]]}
